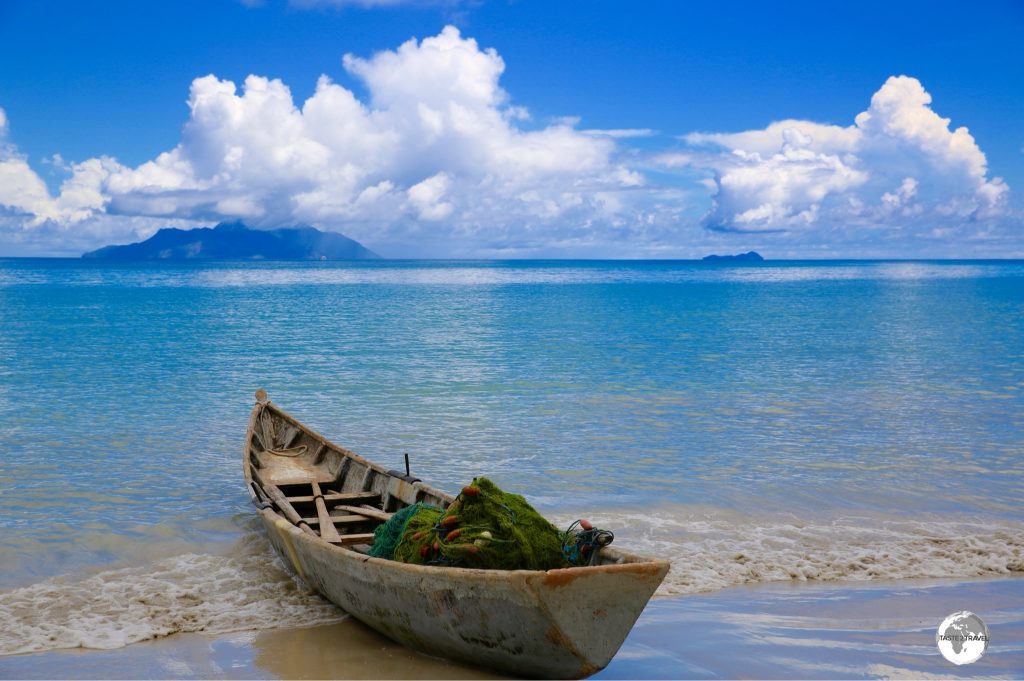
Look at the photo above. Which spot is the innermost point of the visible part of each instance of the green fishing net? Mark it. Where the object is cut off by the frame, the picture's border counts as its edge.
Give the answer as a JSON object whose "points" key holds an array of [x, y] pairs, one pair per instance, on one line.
{"points": [[387, 536], [483, 528]]}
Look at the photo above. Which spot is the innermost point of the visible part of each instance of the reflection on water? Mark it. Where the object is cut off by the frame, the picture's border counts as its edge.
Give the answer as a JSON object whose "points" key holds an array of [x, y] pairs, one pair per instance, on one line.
{"points": [[885, 630], [482, 273]]}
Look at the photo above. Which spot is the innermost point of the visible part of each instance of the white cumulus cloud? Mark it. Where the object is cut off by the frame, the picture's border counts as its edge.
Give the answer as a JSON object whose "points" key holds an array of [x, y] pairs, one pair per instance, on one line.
{"points": [[437, 160], [621, 133], [437, 144], [23, 193], [899, 164]]}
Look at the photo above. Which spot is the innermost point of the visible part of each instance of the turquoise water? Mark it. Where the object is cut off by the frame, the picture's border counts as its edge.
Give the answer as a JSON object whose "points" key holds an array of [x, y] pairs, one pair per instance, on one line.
{"points": [[809, 420]]}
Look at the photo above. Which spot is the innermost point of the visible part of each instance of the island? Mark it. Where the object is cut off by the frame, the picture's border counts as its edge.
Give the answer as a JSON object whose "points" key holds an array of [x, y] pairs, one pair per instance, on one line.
{"points": [[750, 256], [236, 241]]}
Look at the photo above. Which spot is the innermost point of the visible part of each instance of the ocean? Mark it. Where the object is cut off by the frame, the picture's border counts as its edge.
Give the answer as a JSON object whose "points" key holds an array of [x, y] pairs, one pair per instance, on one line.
{"points": [[813, 422]]}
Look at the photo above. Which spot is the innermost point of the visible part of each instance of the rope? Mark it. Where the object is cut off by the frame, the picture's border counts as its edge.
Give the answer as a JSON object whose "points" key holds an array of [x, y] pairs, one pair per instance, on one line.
{"points": [[582, 542]]}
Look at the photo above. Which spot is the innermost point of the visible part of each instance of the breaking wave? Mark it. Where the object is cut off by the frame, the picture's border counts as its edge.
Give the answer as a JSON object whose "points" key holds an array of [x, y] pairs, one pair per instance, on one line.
{"points": [[247, 589], [715, 550]]}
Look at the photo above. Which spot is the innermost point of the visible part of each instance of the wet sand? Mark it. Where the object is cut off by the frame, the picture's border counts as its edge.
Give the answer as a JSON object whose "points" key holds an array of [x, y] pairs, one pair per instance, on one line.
{"points": [[345, 650], [782, 630]]}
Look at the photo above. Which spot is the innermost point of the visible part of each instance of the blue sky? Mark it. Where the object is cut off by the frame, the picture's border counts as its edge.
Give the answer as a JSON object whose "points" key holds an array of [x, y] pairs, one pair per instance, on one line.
{"points": [[519, 129]]}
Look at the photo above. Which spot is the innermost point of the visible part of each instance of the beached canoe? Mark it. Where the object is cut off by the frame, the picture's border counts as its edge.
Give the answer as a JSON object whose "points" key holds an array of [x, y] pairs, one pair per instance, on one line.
{"points": [[320, 504]]}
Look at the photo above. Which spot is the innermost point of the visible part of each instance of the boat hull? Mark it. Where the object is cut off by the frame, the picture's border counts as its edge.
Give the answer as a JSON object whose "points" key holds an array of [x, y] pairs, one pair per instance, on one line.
{"points": [[565, 623]]}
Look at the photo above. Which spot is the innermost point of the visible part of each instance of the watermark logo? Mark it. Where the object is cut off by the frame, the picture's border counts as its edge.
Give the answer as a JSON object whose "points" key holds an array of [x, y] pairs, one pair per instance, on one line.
{"points": [[962, 637]]}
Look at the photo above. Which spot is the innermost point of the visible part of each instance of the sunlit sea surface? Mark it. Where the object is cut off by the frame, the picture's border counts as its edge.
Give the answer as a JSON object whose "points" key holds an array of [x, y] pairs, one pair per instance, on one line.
{"points": [[753, 423]]}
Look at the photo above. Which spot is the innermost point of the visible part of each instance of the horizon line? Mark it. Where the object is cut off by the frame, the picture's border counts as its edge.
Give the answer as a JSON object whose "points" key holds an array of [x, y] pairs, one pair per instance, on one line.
{"points": [[512, 259]]}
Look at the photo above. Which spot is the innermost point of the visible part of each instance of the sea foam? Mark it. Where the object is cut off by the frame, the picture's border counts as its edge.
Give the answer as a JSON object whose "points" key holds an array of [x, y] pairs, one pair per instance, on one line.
{"points": [[186, 593], [249, 589], [715, 550]]}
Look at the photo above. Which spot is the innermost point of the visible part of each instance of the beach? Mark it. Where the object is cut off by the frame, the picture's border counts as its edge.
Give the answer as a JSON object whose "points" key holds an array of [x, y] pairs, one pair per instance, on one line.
{"points": [[828, 453], [790, 630]]}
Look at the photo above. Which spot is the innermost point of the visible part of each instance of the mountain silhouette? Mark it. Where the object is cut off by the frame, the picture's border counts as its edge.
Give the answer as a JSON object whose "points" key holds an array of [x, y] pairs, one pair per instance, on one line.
{"points": [[235, 241], [750, 256]]}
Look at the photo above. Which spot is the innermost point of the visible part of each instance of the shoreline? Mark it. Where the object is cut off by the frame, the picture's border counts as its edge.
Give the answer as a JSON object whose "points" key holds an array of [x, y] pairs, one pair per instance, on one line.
{"points": [[881, 629]]}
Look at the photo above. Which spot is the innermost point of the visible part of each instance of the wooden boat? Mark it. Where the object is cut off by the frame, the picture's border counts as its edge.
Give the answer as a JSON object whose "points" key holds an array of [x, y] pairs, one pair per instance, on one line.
{"points": [[320, 504]]}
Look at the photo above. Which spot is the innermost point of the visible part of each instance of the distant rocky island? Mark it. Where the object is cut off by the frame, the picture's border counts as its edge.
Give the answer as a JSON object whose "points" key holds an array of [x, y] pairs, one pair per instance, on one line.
{"points": [[235, 241], [749, 256]]}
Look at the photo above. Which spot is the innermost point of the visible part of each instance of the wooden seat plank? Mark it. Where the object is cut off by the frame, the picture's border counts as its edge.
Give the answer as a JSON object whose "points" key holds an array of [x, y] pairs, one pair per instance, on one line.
{"points": [[338, 496], [365, 510], [344, 519], [349, 539]]}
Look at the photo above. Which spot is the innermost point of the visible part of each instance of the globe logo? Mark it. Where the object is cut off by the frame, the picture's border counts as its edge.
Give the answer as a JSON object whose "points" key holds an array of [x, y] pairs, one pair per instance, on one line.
{"points": [[962, 637]]}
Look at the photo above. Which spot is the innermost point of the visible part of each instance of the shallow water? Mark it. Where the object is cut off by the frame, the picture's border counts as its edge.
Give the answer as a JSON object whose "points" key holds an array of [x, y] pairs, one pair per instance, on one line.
{"points": [[815, 421], [878, 630]]}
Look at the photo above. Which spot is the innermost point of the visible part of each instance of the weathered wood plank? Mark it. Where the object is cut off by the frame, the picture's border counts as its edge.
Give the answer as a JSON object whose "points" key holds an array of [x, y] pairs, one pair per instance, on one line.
{"points": [[273, 493], [368, 476], [327, 529], [365, 510], [339, 496], [349, 539], [290, 436], [344, 519], [322, 477]]}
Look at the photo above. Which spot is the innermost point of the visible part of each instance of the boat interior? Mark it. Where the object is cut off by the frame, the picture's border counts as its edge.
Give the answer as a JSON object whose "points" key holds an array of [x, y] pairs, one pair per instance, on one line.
{"points": [[330, 492], [322, 488]]}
